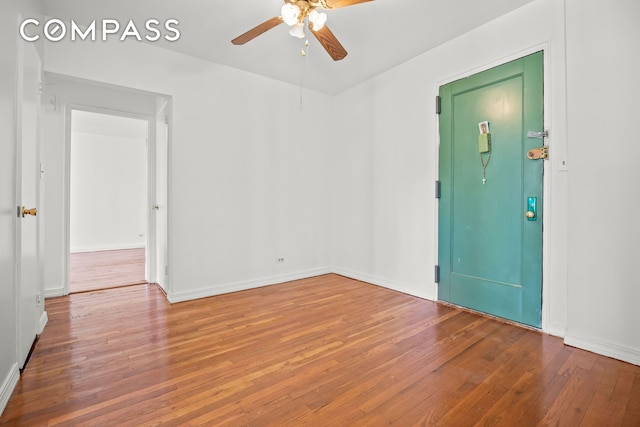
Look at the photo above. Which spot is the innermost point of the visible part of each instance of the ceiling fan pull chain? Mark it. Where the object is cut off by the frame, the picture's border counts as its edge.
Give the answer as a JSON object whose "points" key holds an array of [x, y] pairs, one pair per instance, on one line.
{"points": [[303, 68]]}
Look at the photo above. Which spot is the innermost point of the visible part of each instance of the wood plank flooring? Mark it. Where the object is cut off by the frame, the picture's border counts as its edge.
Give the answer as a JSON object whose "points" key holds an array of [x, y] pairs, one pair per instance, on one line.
{"points": [[325, 351], [90, 271]]}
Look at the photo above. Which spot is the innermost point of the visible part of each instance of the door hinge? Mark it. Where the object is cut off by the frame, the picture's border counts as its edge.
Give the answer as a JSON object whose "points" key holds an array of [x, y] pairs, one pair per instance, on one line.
{"points": [[438, 104], [436, 274], [438, 189]]}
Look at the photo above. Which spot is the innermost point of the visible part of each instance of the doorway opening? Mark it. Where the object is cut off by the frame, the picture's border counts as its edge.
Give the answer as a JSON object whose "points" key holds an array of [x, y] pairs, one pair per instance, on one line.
{"points": [[108, 200]]}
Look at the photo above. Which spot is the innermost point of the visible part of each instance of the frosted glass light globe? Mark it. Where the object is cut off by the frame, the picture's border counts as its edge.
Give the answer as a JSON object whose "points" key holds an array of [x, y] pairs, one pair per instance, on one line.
{"points": [[297, 30], [290, 13], [318, 19]]}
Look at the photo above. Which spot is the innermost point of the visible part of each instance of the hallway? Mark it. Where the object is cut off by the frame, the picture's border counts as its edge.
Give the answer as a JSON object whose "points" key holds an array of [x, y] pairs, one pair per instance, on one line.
{"points": [[90, 271]]}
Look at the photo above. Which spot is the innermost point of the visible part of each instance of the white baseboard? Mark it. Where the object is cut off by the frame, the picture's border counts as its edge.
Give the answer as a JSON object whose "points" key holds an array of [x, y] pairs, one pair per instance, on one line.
{"points": [[54, 292], [8, 385], [385, 283], [603, 347], [555, 330], [242, 286], [43, 322], [117, 247]]}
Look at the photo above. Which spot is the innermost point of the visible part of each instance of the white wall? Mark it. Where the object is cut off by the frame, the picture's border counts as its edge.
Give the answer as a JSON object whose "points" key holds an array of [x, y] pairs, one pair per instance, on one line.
{"points": [[248, 169], [9, 11], [108, 191], [8, 61], [265, 192], [603, 39], [388, 158], [386, 230]]}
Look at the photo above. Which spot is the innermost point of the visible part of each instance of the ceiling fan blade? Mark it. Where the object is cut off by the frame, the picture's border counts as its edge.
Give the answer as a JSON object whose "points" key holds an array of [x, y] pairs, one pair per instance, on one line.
{"points": [[334, 4], [329, 42], [256, 31]]}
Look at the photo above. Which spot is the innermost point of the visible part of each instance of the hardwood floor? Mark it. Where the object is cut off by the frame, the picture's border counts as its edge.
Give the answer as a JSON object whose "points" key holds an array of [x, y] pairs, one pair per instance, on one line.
{"points": [[90, 271], [325, 351]]}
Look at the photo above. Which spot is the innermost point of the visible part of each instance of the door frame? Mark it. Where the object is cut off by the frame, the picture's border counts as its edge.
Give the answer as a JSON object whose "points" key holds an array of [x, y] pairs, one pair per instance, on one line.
{"points": [[547, 185], [161, 190], [150, 246]]}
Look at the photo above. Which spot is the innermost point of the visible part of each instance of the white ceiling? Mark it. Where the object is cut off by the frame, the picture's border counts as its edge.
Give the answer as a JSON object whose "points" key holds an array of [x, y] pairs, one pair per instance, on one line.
{"points": [[378, 35]]}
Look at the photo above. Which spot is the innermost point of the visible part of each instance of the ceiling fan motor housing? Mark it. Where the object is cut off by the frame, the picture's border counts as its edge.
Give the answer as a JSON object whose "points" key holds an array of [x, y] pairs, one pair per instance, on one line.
{"points": [[304, 6]]}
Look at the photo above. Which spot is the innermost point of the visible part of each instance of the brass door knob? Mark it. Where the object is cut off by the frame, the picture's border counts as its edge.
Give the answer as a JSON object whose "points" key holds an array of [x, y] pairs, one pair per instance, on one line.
{"points": [[32, 211], [530, 214]]}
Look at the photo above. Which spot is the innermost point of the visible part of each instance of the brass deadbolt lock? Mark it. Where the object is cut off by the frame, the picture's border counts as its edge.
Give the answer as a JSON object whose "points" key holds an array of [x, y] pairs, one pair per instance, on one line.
{"points": [[539, 153]]}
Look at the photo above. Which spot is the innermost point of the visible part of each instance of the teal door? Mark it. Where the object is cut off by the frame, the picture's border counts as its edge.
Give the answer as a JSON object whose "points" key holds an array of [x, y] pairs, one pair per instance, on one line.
{"points": [[489, 250]]}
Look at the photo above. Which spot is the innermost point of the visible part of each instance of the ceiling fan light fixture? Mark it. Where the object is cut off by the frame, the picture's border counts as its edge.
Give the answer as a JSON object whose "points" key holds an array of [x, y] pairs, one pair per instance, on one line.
{"points": [[318, 19], [297, 30], [296, 13], [290, 14]]}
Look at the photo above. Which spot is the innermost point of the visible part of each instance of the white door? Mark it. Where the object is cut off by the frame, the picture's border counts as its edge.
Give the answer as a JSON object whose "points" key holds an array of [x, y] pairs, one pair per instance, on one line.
{"points": [[28, 170], [162, 138]]}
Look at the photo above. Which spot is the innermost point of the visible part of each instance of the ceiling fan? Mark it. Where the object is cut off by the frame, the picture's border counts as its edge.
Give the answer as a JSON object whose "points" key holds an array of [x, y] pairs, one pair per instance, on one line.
{"points": [[294, 13]]}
